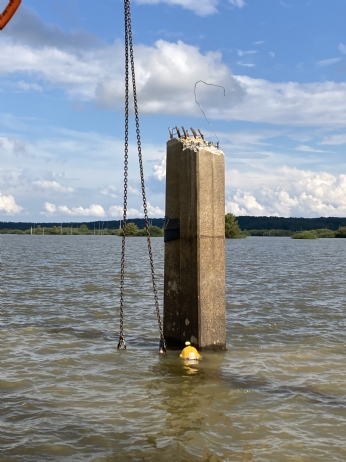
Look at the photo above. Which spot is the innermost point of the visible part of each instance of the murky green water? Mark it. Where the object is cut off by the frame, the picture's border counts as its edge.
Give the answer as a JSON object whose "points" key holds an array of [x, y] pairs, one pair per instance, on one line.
{"points": [[67, 394]]}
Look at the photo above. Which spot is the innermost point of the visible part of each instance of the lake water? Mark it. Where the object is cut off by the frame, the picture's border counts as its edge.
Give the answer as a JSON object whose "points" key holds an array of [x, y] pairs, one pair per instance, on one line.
{"points": [[68, 394]]}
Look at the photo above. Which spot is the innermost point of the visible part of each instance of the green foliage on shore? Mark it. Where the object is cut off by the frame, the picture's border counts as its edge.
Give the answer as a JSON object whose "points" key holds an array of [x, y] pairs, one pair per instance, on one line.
{"points": [[341, 232], [232, 230], [82, 230], [324, 233], [243, 235], [155, 231], [304, 235], [270, 232], [131, 229]]}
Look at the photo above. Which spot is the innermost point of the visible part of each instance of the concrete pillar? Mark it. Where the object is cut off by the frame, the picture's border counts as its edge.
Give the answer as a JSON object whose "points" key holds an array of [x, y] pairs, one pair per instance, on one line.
{"points": [[194, 280]]}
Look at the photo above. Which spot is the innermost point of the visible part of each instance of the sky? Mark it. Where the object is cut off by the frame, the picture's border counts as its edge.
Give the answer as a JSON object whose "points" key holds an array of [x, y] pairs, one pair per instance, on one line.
{"points": [[281, 122]]}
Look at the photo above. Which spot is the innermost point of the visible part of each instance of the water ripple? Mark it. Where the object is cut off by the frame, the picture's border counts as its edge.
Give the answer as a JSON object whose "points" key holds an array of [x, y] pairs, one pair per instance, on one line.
{"points": [[67, 393]]}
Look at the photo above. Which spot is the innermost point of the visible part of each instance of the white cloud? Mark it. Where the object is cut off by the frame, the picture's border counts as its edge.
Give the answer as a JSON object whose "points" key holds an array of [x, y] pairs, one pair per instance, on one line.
{"points": [[342, 48], [111, 191], [334, 139], [245, 204], [28, 86], [271, 54], [155, 212], [132, 190], [160, 169], [92, 165], [302, 137], [237, 3], [249, 52], [93, 211], [286, 192], [50, 208], [240, 63], [116, 211], [247, 138], [166, 74], [27, 27], [52, 185], [17, 147], [8, 205], [289, 103], [76, 73], [259, 42], [305, 148], [200, 7], [328, 62]]}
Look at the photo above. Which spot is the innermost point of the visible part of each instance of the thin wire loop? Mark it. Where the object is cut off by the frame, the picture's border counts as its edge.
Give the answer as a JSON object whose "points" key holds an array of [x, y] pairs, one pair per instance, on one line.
{"points": [[212, 85]]}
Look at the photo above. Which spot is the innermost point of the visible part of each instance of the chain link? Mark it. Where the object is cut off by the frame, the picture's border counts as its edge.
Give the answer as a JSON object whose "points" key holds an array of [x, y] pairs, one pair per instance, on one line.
{"points": [[129, 54], [122, 343]]}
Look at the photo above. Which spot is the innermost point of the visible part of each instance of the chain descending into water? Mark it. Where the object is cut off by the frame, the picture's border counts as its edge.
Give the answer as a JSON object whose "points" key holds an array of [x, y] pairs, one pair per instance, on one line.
{"points": [[122, 343], [129, 54]]}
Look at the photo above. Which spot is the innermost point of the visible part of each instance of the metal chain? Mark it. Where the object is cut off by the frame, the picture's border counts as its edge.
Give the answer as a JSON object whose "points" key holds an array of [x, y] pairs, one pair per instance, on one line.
{"points": [[129, 51], [122, 343]]}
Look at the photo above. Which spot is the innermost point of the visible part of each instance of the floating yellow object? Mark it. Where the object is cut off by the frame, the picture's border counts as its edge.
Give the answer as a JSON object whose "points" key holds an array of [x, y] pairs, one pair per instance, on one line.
{"points": [[190, 352]]}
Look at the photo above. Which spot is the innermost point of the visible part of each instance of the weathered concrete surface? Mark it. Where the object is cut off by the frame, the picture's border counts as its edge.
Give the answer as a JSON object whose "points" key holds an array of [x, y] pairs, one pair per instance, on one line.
{"points": [[194, 281]]}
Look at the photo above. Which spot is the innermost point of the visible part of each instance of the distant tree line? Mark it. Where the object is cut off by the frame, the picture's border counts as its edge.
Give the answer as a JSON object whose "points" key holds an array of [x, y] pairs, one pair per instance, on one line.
{"points": [[244, 222], [233, 227], [233, 231], [97, 225], [82, 229], [290, 224]]}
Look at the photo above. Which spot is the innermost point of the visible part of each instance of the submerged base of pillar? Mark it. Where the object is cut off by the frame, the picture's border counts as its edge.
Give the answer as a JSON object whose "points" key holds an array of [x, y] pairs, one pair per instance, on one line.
{"points": [[174, 344], [214, 348]]}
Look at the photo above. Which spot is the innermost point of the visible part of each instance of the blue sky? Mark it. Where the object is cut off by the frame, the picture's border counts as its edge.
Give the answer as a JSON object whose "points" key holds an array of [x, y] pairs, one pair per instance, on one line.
{"points": [[282, 123]]}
